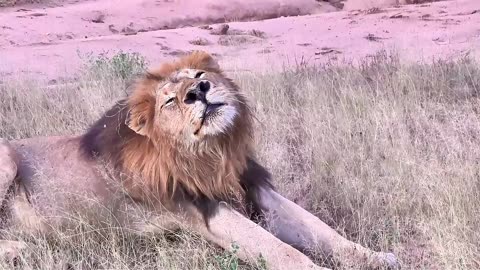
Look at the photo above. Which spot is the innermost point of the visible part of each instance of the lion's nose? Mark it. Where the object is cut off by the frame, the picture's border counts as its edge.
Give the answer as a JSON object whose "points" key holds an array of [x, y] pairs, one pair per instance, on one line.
{"points": [[203, 86], [198, 92]]}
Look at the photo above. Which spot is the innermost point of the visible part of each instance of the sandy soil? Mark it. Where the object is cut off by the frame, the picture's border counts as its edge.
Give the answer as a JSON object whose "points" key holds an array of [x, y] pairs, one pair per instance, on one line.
{"points": [[44, 40]]}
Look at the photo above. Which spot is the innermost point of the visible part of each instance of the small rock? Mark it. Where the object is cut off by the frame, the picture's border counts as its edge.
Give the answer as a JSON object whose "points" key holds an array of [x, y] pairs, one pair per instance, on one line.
{"points": [[220, 29], [99, 19], [112, 29], [205, 27], [37, 14], [95, 17], [128, 31]]}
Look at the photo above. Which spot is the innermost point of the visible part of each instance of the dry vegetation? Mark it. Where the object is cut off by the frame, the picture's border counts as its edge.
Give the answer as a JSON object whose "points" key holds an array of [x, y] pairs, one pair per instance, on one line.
{"points": [[10, 3], [386, 153]]}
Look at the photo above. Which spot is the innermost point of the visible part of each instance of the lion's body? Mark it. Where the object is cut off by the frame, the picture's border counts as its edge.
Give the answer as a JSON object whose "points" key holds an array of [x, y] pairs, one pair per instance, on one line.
{"points": [[170, 155], [57, 186]]}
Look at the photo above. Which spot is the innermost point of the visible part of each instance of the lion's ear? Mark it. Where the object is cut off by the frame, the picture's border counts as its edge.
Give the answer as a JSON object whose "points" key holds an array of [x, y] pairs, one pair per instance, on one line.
{"points": [[201, 60], [141, 104], [140, 117]]}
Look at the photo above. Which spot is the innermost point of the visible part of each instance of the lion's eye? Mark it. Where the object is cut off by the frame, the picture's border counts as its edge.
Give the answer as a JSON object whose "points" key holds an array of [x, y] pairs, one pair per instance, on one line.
{"points": [[169, 101], [199, 74]]}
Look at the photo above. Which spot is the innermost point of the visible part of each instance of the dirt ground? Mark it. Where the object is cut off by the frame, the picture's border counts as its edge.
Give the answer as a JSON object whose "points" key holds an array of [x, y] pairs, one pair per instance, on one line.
{"points": [[44, 39]]}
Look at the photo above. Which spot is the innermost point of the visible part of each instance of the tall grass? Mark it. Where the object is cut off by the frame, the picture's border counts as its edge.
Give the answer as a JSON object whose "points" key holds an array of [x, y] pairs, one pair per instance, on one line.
{"points": [[386, 153]]}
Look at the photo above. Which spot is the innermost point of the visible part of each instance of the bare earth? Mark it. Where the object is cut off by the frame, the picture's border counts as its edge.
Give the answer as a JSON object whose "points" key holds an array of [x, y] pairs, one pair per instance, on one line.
{"points": [[46, 39]]}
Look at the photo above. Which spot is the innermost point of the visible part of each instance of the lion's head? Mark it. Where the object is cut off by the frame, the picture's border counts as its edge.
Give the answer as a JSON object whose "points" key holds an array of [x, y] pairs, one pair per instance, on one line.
{"points": [[190, 100], [185, 129]]}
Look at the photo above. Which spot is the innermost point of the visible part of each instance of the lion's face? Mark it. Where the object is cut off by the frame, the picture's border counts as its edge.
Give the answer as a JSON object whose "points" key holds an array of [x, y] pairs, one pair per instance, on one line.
{"points": [[198, 106]]}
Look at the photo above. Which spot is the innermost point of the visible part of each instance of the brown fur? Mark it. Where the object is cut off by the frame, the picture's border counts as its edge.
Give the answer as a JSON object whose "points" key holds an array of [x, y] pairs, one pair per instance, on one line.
{"points": [[159, 166]]}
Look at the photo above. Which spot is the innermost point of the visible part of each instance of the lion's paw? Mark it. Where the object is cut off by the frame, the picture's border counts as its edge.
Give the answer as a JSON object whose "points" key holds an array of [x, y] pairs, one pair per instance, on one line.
{"points": [[10, 251], [387, 260]]}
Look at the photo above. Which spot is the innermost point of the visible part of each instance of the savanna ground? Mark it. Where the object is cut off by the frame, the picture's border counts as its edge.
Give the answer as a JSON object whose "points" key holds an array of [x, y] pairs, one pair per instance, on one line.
{"points": [[385, 152]]}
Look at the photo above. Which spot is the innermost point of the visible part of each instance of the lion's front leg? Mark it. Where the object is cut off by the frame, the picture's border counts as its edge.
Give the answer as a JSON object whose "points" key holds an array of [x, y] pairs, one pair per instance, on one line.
{"points": [[228, 227], [301, 229]]}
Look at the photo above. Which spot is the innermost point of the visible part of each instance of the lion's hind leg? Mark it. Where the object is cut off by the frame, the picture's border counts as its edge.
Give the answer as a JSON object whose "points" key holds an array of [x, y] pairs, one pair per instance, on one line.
{"points": [[301, 229], [8, 167], [229, 227], [9, 250]]}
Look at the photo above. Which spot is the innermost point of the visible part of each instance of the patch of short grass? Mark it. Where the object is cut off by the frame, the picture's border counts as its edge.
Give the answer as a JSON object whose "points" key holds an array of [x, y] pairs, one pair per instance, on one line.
{"points": [[200, 41], [123, 65], [11, 3]]}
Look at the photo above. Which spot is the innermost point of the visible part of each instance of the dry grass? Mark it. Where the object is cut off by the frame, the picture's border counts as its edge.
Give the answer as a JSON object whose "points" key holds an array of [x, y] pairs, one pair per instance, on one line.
{"points": [[385, 153], [7, 3], [237, 40], [11, 3], [200, 41]]}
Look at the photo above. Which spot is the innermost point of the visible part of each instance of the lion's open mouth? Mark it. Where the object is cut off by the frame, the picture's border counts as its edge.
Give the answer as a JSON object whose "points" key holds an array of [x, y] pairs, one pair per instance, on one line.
{"points": [[210, 111]]}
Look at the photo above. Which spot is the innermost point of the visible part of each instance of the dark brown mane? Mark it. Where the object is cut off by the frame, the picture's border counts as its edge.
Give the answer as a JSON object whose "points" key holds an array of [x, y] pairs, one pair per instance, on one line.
{"points": [[107, 137], [162, 169]]}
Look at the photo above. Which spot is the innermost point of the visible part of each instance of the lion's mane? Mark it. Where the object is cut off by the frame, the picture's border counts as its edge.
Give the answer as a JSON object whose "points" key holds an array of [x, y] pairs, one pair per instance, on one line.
{"points": [[158, 167]]}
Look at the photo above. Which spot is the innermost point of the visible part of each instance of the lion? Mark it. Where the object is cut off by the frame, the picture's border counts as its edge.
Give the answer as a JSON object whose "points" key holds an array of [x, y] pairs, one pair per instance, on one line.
{"points": [[177, 153]]}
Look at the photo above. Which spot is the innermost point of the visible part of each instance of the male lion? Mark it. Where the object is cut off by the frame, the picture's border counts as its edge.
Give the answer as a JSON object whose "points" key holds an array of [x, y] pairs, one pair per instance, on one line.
{"points": [[177, 152]]}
